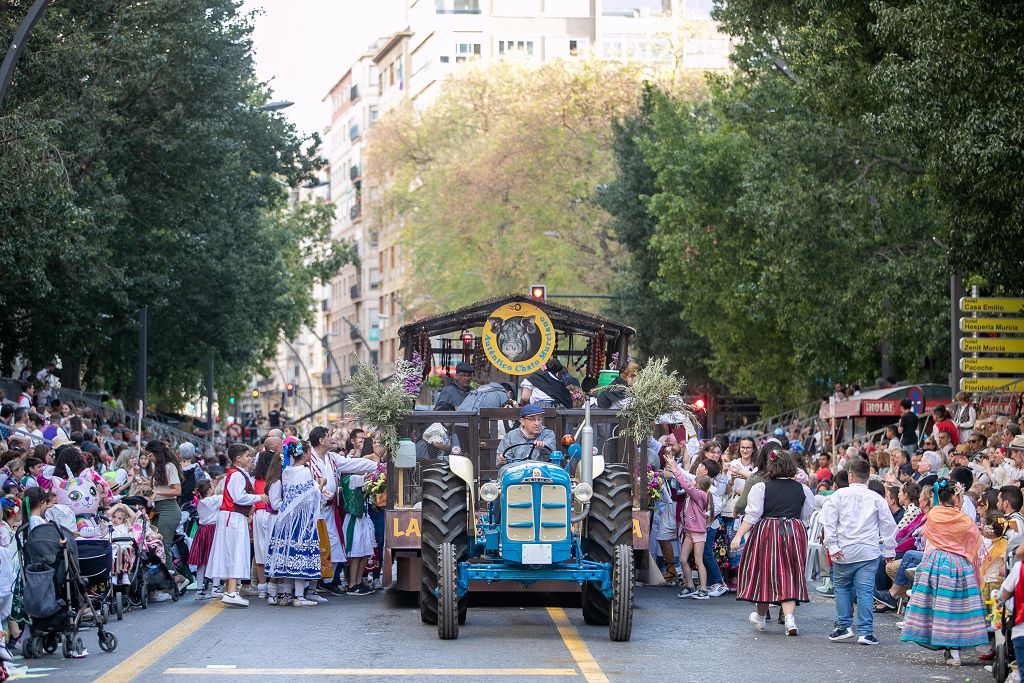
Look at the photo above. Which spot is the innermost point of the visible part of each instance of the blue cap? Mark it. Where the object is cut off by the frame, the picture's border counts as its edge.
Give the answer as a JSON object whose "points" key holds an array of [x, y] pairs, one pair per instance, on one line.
{"points": [[779, 431], [531, 409]]}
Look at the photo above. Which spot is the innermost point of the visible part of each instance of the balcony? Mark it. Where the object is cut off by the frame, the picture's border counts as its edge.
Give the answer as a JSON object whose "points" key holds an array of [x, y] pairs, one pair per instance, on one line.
{"points": [[353, 333], [353, 133], [355, 211], [354, 173], [355, 293], [353, 93]]}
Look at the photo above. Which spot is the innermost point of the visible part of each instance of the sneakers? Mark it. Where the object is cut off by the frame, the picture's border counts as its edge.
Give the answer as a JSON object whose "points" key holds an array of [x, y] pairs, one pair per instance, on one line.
{"points": [[826, 588], [271, 599], [951, 657], [332, 588], [717, 590], [899, 625], [159, 596], [757, 621], [378, 583], [360, 590], [217, 592], [885, 599], [202, 595], [235, 600], [869, 639], [841, 633], [182, 582], [303, 602], [686, 592], [248, 589], [261, 590], [700, 594], [314, 598], [791, 629]]}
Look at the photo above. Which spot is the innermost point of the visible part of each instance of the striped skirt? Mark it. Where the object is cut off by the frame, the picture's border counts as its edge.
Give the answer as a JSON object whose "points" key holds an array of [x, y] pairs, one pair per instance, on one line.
{"points": [[945, 609], [772, 566]]}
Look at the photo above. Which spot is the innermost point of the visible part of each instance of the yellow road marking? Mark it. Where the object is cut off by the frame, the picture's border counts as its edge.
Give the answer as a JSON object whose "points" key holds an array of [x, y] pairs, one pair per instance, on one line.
{"points": [[577, 648], [147, 656], [481, 673]]}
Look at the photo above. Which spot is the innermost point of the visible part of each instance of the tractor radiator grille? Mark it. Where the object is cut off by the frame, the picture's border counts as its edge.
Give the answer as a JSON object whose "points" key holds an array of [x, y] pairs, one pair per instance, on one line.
{"points": [[519, 512], [553, 513]]}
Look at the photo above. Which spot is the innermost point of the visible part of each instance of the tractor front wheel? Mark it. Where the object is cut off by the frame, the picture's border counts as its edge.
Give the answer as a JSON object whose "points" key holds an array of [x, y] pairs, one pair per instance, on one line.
{"points": [[447, 595], [444, 518], [609, 525], [620, 616]]}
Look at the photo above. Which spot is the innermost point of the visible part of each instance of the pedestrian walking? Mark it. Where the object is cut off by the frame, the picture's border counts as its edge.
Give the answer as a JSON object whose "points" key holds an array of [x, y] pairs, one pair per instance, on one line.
{"points": [[946, 610], [772, 565], [854, 519]]}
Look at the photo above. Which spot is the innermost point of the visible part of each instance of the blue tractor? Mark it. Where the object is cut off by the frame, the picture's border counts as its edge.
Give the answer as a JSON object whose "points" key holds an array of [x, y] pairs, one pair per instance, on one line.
{"points": [[537, 522]]}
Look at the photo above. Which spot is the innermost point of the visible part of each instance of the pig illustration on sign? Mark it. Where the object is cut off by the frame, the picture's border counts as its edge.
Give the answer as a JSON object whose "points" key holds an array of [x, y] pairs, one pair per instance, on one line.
{"points": [[518, 337]]}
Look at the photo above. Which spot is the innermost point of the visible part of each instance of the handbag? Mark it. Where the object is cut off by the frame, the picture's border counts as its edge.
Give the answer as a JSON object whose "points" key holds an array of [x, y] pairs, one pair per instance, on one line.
{"points": [[324, 540]]}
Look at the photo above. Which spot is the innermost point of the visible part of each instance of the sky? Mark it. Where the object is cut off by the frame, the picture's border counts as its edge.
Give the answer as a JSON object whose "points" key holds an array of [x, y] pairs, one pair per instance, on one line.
{"points": [[304, 46]]}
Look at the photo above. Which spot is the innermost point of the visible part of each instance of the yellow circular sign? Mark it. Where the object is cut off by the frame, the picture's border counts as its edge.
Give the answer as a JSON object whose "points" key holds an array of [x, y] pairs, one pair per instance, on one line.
{"points": [[519, 338]]}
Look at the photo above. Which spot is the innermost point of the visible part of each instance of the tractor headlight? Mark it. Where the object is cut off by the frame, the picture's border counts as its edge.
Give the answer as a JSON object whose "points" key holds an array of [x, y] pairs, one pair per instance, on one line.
{"points": [[583, 492], [490, 491]]}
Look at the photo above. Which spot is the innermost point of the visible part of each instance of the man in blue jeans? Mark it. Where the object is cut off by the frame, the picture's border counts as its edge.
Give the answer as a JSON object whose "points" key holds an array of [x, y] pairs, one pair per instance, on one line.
{"points": [[859, 529]]}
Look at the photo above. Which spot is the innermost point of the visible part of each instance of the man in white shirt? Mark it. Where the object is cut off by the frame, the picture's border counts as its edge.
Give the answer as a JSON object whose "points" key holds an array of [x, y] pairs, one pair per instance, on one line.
{"points": [[859, 528]]}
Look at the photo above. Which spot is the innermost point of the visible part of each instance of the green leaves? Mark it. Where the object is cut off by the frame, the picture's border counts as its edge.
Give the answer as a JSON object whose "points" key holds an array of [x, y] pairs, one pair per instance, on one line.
{"points": [[137, 170]]}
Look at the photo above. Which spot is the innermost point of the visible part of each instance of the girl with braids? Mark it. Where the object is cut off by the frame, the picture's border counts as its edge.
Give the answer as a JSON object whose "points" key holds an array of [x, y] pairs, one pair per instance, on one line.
{"points": [[294, 552], [772, 565], [167, 478], [230, 558], [945, 610]]}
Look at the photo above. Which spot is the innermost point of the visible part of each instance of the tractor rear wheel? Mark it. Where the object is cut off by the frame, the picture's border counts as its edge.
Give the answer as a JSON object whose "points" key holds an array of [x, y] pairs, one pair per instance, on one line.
{"points": [[447, 597], [609, 524], [620, 616], [443, 519]]}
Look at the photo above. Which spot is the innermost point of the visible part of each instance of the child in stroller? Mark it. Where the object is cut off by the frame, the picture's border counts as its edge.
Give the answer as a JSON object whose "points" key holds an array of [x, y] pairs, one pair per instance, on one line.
{"points": [[56, 594], [152, 573]]}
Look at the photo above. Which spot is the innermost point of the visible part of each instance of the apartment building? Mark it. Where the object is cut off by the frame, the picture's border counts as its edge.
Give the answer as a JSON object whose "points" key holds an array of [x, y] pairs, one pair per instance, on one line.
{"points": [[349, 308]]}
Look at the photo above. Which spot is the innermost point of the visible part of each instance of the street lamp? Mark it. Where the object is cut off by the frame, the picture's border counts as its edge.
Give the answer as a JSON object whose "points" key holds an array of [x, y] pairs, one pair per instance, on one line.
{"points": [[275, 106]]}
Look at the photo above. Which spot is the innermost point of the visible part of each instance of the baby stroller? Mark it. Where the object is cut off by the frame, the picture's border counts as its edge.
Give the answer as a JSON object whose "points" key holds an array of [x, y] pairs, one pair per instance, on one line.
{"points": [[55, 593], [148, 572]]}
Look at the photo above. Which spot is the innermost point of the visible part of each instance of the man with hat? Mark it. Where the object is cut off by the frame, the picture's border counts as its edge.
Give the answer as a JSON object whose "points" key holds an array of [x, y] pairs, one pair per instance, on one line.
{"points": [[531, 440], [456, 391]]}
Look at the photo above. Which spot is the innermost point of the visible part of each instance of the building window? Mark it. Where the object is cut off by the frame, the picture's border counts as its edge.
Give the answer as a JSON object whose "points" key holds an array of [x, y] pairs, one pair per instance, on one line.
{"points": [[444, 59], [457, 6], [401, 75], [464, 51], [510, 46], [574, 47], [373, 115], [636, 8]]}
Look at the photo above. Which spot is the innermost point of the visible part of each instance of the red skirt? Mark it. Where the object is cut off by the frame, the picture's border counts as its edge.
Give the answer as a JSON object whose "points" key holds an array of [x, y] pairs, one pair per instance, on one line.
{"points": [[199, 553], [773, 562]]}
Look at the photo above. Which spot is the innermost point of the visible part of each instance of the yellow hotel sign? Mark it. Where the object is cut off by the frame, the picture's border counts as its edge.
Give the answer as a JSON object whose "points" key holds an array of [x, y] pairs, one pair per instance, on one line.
{"points": [[978, 385], [991, 305], [994, 365], [991, 345], [1003, 325]]}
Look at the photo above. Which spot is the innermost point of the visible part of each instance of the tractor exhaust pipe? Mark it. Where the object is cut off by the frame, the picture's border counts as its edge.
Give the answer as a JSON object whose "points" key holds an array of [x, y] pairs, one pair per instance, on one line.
{"points": [[587, 449]]}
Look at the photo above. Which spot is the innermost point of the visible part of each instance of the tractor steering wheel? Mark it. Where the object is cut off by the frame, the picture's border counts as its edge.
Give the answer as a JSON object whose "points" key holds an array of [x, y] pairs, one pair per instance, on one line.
{"points": [[533, 447]]}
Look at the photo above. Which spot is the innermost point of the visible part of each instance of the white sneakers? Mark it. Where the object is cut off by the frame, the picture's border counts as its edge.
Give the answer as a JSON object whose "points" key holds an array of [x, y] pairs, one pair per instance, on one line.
{"points": [[791, 629], [235, 600], [303, 602], [202, 595], [315, 598], [757, 621], [718, 590]]}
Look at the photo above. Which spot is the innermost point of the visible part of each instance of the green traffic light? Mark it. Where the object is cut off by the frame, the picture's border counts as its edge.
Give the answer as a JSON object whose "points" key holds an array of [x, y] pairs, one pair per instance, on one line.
{"points": [[231, 400]]}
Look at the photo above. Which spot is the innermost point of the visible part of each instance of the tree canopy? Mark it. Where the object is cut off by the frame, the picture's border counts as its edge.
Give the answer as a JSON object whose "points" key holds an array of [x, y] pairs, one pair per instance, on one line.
{"points": [[138, 170]]}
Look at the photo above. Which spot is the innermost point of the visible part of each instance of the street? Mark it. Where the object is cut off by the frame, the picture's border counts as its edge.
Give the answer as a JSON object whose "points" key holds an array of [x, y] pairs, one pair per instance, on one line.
{"points": [[512, 637]]}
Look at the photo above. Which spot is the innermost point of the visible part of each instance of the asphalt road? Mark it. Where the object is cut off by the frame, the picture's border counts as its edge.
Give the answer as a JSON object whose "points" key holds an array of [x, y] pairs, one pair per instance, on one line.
{"points": [[509, 638]]}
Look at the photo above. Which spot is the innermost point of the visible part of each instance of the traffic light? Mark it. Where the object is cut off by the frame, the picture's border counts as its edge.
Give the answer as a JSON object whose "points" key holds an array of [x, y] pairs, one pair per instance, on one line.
{"points": [[231, 400], [255, 393], [289, 389], [699, 404], [539, 292]]}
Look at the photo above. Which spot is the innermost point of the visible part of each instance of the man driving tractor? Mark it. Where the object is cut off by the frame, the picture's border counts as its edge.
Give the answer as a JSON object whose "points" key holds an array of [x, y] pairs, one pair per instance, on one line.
{"points": [[531, 441]]}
